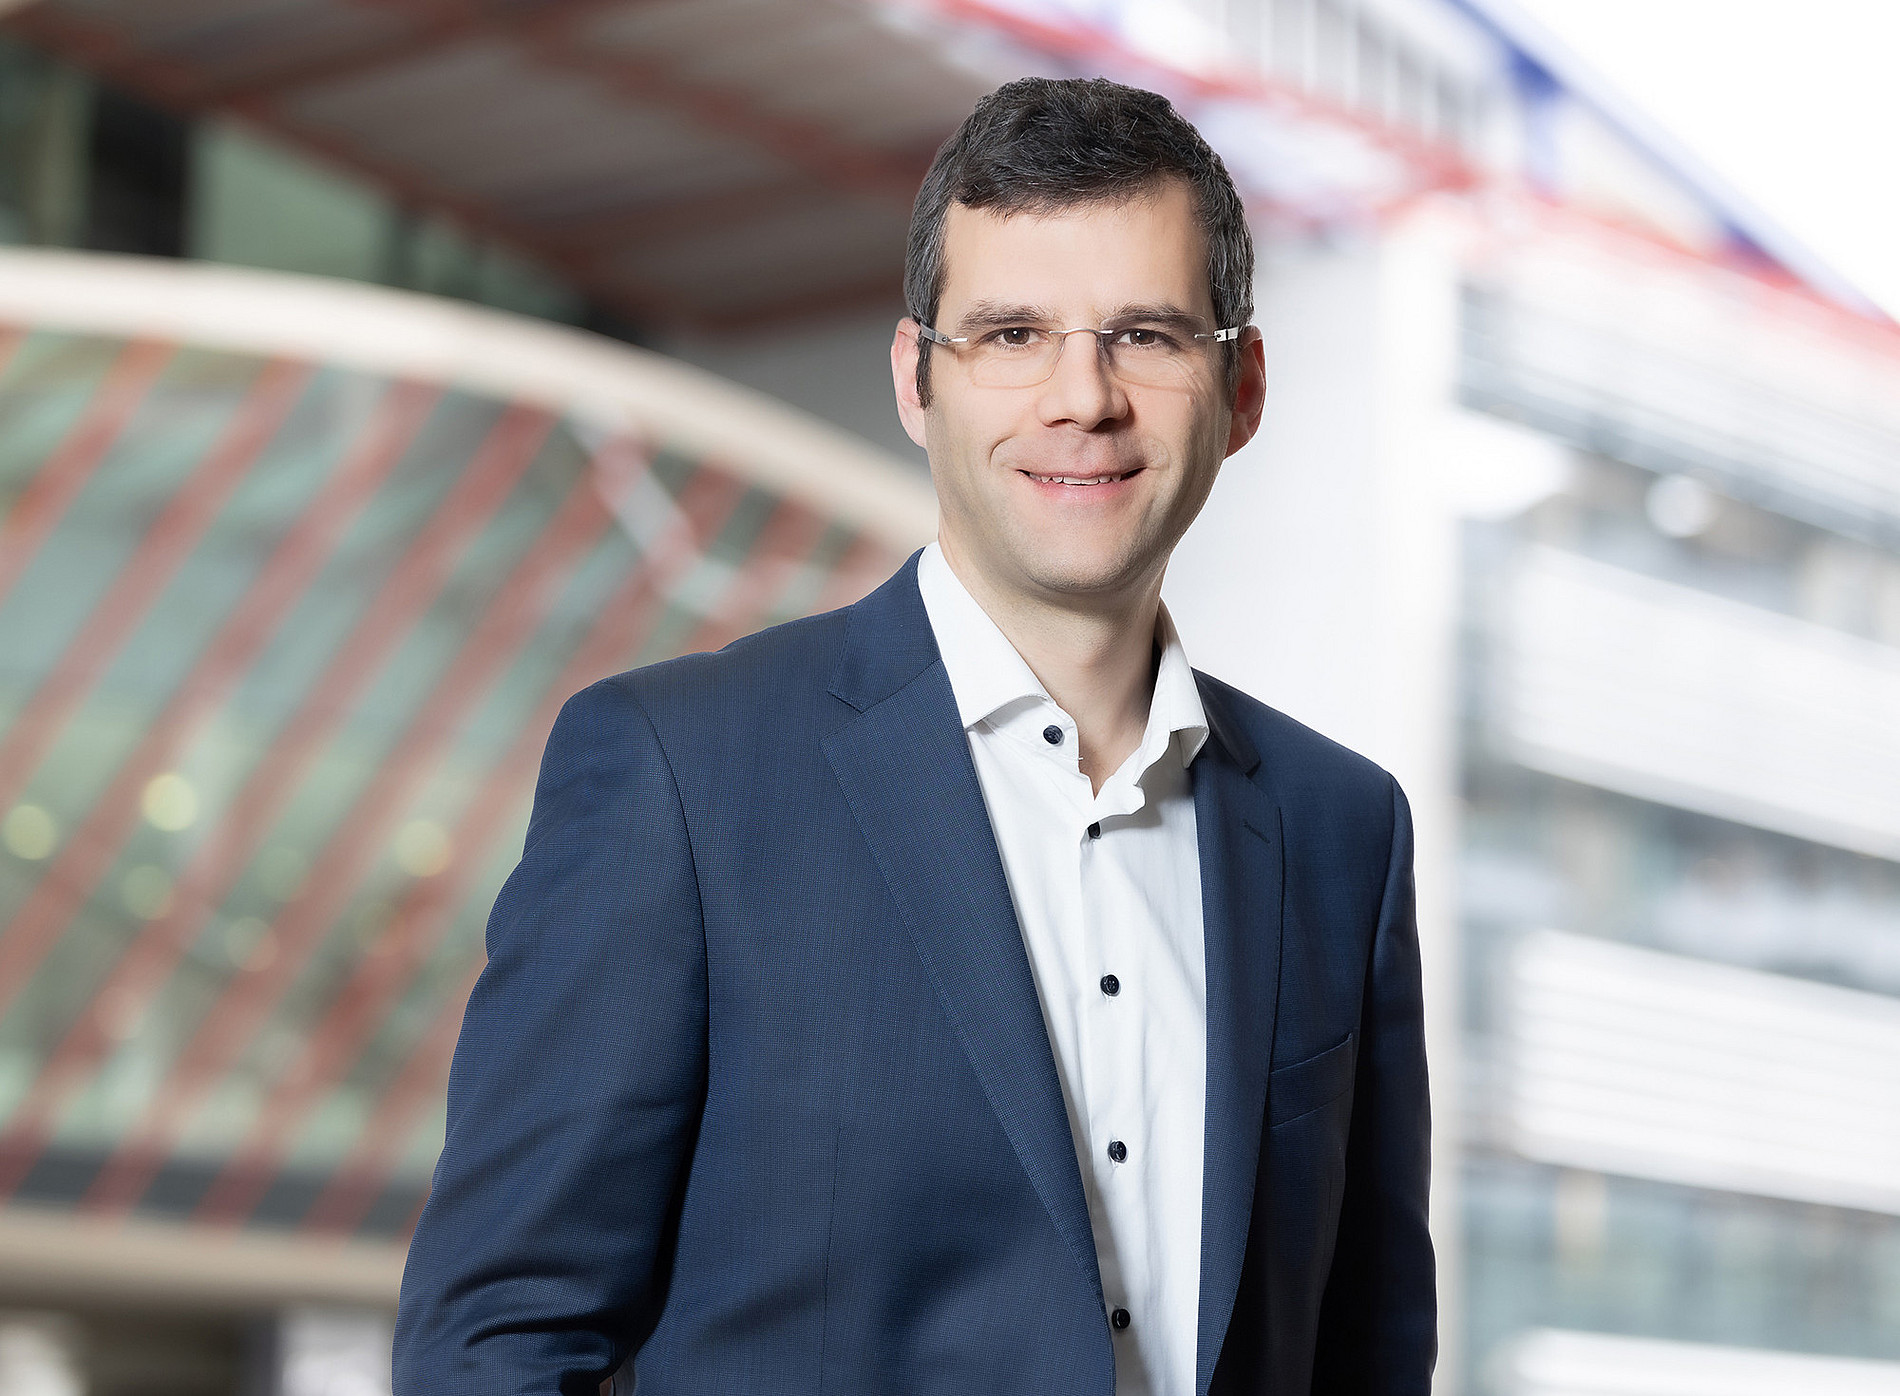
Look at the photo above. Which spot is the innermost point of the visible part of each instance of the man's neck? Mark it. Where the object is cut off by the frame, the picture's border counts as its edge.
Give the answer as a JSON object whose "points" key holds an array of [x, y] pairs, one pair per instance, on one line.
{"points": [[1097, 663]]}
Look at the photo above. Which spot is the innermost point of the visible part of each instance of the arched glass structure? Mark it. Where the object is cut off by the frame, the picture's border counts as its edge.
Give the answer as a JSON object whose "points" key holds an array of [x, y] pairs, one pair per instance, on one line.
{"points": [[293, 581]]}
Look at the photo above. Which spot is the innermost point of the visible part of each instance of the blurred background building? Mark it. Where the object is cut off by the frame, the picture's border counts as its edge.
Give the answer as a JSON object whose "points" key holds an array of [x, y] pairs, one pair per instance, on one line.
{"points": [[375, 373]]}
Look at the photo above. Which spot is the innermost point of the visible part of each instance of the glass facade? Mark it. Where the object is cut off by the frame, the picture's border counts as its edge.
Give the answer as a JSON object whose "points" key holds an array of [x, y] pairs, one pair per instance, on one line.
{"points": [[284, 642], [1719, 869], [1572, 1249]]}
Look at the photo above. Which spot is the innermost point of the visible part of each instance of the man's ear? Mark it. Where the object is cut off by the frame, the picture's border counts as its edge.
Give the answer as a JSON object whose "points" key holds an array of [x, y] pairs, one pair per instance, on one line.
{"points": [[1250, 391], [904, 350]]}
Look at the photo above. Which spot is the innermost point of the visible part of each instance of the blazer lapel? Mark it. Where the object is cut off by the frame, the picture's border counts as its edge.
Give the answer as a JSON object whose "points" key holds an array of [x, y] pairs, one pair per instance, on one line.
{"points": [[1241, 870], [905, 768]]}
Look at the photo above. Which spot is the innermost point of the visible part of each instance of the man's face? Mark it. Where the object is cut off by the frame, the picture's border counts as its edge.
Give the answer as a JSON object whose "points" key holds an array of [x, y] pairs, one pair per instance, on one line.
{"points": [[1074, 490]]}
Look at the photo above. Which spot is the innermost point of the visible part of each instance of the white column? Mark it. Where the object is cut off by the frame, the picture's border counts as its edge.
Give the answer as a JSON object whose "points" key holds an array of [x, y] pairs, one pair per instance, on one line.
{"points": [[39, 1356], [334, 1352]]}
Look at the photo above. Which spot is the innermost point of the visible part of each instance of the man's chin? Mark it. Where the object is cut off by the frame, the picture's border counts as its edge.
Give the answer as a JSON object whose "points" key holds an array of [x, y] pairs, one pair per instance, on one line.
{"points": [[1053, 564], [1079, 578]]}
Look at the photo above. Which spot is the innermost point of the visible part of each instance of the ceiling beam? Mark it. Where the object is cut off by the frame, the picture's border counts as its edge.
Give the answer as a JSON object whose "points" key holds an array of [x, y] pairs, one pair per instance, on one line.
{"points": [[429, 25], [104, 51], [552, 35], [357, 60], [615, 232]]}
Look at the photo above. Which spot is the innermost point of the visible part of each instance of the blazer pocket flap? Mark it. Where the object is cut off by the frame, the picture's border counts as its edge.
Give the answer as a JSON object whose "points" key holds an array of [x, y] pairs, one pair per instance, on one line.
{"points": [[1301, 1087]]}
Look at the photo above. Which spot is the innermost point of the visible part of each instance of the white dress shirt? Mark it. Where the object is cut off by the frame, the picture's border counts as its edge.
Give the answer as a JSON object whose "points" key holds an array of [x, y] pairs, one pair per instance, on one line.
{"points": [[1107, 890]]}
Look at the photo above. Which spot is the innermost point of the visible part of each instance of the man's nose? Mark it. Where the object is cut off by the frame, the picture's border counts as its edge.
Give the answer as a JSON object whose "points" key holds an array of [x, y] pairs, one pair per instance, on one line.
{"points": [[1082, 389]]}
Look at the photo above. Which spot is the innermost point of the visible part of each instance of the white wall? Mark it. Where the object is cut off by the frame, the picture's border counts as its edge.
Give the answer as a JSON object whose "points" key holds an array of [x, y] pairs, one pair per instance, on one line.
{"points": [[1322, 576]]}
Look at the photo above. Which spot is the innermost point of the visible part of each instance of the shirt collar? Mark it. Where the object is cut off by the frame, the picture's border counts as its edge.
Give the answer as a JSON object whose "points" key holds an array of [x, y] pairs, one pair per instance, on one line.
{"points": [[987, 674], [1176, 706]]}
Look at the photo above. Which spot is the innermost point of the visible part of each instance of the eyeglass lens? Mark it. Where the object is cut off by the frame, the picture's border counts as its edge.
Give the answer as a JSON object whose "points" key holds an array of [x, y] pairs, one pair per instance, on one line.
{"points": [[1022, 357]]}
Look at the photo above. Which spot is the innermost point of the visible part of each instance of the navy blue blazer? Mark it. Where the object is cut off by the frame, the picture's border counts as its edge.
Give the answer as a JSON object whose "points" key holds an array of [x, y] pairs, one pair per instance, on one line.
{"points": [[755, 1085]]}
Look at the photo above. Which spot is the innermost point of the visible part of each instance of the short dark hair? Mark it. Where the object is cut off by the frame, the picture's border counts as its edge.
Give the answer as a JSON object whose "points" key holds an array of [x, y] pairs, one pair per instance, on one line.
{"points": [[1041, 144]]}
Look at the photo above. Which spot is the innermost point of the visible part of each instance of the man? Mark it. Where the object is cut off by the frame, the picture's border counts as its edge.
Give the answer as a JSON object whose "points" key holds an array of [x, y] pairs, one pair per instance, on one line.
{"points": [[957, 993]]}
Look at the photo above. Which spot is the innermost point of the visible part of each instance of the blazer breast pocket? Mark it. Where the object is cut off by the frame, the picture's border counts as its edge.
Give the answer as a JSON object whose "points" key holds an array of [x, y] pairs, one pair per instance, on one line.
{"points": [[1299, 1088]]}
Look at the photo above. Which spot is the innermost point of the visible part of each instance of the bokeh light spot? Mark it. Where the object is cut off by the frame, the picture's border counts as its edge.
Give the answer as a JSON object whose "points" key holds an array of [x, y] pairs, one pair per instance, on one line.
{"points": [[423, 848], [30, 832], [1681, 506], [169, 802]]}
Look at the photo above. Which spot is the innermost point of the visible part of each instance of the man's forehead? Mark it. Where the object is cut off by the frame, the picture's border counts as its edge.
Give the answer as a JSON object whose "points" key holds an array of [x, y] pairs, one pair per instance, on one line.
{"points": [[1145, 245]]}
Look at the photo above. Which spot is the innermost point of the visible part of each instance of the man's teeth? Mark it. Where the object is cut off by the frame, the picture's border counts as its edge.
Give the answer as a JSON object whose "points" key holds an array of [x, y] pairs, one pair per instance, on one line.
{"points": [[1078, 480]]}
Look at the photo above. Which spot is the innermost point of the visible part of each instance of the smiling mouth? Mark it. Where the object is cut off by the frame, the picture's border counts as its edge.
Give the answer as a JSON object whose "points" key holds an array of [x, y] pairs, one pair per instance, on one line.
{"points": [[1080, 479]]}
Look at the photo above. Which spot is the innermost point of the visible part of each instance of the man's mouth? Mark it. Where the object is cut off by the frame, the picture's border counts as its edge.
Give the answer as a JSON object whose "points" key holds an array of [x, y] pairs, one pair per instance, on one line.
{"points": [[1080, 479]]}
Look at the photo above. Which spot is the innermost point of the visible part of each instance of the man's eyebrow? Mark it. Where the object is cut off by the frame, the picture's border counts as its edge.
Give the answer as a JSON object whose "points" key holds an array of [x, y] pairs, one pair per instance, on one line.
{"points": [[1161, 311], [988, 315]]}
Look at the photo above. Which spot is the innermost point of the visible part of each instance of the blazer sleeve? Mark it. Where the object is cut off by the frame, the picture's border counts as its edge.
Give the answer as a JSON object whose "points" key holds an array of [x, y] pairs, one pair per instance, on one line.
{"points": [[577, 1084], [1378, 1327]]}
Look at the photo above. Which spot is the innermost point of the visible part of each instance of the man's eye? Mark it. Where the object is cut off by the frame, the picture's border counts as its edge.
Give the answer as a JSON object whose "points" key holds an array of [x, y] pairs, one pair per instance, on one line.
{"points": [[1015, 337], [1145, 337]]}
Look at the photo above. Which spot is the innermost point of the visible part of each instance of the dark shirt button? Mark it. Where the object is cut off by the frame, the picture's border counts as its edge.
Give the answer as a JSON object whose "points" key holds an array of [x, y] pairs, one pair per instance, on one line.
{"points": [[1111, 985], [1095, 831], [1052, 734], [1119, 1318], [1117, 1150]]}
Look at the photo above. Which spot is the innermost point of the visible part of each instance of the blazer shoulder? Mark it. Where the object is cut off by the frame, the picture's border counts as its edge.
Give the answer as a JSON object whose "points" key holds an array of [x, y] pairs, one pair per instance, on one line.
{"points": [[768, 673], [1299, 763]]}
